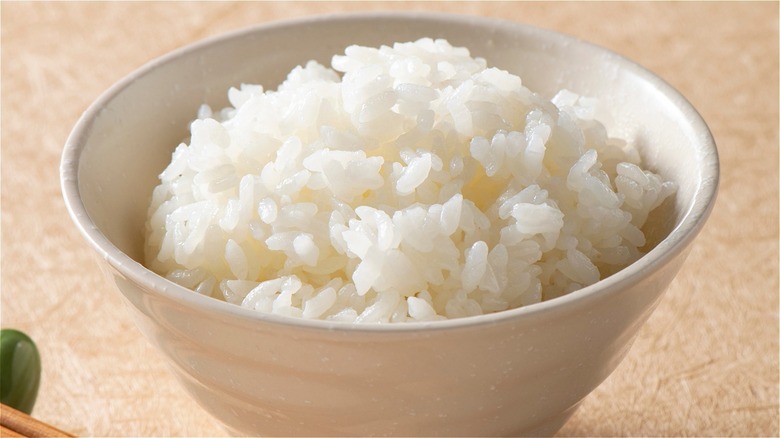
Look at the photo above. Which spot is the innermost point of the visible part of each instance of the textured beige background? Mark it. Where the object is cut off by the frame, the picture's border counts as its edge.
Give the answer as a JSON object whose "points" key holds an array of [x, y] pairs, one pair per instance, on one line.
{"points": [[706, 364]]}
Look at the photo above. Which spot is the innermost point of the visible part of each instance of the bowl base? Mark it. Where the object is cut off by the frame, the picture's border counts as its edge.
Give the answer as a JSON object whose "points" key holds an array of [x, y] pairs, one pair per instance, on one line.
{"points": [[551, 425]]}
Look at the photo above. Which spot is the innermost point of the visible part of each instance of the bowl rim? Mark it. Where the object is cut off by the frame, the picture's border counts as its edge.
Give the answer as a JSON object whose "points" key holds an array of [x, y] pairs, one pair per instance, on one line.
{"points": [[690, 224]]}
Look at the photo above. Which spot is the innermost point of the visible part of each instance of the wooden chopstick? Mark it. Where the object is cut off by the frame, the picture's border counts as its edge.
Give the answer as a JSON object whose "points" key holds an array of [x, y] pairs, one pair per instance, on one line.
{"points": [[14, 423], [9, 432]]}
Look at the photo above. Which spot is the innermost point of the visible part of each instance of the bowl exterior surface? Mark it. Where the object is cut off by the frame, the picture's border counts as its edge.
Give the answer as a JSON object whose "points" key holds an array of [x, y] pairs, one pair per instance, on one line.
{"points": [[521, 376], [519, 372]]}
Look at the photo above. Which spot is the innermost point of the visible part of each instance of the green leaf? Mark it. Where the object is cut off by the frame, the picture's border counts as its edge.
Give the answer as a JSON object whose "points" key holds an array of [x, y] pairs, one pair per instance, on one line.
{"points": [[20, 370]]}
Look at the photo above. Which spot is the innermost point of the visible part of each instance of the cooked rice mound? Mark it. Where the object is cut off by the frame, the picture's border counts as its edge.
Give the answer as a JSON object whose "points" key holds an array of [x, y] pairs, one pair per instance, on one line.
{"points": [[405, 183]]}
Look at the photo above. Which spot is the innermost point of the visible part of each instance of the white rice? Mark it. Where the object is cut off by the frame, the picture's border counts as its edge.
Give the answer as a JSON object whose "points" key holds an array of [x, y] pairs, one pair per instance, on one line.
{"points": [[407, 183]]}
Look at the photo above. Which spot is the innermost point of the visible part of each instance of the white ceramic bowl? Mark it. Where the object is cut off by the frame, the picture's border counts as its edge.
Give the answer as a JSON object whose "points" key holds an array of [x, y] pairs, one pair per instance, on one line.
{"points": [[521, 371]]}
